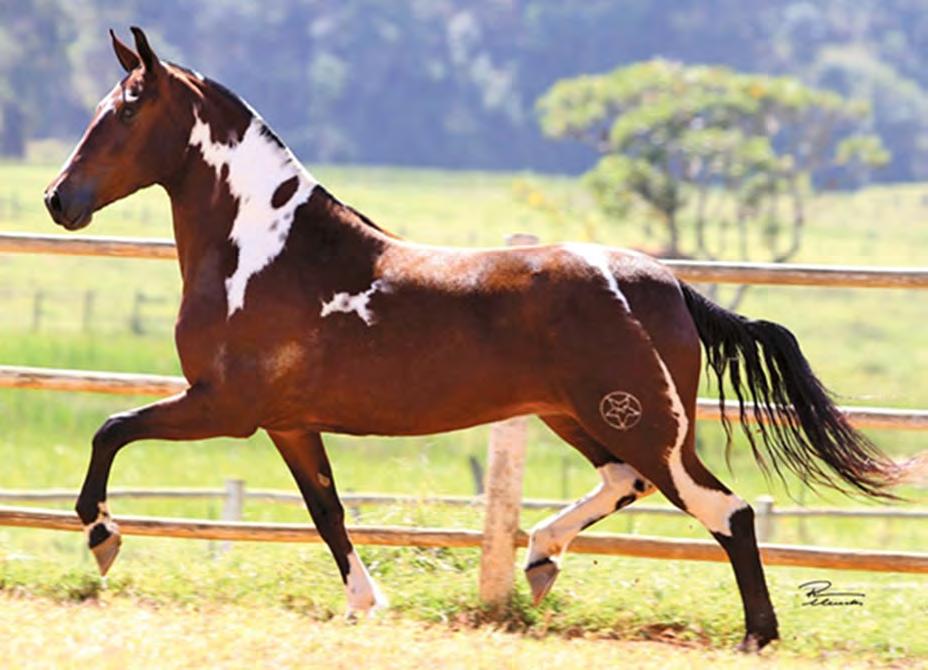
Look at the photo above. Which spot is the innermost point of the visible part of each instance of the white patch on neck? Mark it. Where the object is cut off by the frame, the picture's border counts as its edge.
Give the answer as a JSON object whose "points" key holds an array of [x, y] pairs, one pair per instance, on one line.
{"points": [[364, 595], [359, 302], [713, 508], [598, 258], [256, 167]]}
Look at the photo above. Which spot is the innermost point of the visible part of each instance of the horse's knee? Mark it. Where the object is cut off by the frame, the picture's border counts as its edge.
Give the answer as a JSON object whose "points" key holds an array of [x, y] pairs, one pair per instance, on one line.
{"points": [[111, 435], [87, 510]]}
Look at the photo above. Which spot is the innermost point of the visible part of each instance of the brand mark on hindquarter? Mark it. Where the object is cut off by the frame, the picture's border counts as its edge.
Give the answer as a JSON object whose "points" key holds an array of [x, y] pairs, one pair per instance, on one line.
{"points": [[620, 409]]}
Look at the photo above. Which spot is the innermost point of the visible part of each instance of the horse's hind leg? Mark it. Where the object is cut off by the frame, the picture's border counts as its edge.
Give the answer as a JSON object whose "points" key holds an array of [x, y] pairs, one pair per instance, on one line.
{"points": [[621, 486], [690, 486], [305, 455], [731, 522], [662, 447]]}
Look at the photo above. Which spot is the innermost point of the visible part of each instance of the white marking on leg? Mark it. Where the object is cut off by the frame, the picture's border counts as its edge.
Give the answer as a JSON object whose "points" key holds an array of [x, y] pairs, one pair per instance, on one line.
{"points": [[598, 258], [104, 517], [257, 165], [550, 538], [348, 303], [363, 593], [713, 508]]}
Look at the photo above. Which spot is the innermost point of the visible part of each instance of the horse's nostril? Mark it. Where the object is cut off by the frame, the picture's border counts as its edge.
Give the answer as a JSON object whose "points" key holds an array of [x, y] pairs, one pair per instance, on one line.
{"points": [[53, 202]]}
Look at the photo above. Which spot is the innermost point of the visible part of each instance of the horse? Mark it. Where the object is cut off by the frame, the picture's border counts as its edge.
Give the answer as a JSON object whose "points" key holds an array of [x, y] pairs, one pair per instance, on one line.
{"points": [[299, 315]]}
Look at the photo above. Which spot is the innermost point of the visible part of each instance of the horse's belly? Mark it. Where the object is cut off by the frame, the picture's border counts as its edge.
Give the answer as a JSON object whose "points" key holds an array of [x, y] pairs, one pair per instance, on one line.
{"points": [[437, 419], [424, 397]]}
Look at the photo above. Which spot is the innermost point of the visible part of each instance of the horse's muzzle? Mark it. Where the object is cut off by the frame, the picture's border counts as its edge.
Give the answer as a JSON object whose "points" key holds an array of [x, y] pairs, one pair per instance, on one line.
{"points": [[72, 211]]}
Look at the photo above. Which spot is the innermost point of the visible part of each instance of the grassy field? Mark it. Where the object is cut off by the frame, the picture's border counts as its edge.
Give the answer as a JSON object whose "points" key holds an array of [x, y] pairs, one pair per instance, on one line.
{"points": [[868, 345], [115, 634]]}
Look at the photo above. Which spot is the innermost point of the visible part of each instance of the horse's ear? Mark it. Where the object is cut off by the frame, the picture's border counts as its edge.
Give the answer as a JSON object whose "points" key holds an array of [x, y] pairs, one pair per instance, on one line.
{"points": [[126, 56], [149, 59]]}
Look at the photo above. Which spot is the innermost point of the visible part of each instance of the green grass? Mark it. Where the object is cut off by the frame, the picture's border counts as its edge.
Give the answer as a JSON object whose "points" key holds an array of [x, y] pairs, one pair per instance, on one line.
{"points": [[120, 633], [868, 345]]}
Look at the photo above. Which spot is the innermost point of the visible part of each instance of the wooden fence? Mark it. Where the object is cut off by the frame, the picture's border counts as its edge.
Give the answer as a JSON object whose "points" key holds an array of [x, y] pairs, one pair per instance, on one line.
{"points": [[235, 492], [124, 383], [695, 271], [84, 311], [397, 536], [501, 533]]}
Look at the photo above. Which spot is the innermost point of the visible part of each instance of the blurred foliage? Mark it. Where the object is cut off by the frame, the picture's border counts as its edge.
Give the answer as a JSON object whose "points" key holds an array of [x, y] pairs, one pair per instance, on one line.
{"points": [[704, 147], [452, 82]]}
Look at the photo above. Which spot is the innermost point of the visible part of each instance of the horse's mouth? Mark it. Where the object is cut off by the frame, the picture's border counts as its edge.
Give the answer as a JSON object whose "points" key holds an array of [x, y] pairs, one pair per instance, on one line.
{"points": [[82, 220]]}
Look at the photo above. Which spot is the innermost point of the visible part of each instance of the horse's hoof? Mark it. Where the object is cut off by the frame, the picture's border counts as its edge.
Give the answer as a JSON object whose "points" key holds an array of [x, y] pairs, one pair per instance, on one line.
{"points": [[354, 615], [106, 551], [754, 642], [541, 576]]}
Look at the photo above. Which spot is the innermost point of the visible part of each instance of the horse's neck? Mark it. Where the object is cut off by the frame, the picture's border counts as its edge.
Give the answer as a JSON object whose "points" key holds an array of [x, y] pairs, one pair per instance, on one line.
{"points": [[237, 202], [245, 189]]}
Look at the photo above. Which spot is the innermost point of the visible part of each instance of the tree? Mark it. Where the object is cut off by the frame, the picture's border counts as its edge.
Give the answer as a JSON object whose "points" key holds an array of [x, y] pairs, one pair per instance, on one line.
{"points": [[710, 150], [34, 70]]}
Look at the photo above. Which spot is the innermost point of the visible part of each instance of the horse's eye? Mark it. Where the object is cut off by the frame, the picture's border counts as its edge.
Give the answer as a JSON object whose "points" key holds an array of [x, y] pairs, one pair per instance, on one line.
{"points": [[127, 112]]}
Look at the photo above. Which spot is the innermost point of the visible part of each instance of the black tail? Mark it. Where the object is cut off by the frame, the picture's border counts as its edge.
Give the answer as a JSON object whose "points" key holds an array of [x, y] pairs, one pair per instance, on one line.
{"points": [[799, 425]]}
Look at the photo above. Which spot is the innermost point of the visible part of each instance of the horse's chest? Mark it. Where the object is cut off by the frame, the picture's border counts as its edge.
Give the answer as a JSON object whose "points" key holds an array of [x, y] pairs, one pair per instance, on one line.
{"points": [[201, 344]]}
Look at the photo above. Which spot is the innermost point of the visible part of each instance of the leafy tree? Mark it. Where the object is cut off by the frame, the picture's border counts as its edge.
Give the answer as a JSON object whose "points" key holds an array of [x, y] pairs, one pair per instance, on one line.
{"points": [[34, 71], [710, 150]]}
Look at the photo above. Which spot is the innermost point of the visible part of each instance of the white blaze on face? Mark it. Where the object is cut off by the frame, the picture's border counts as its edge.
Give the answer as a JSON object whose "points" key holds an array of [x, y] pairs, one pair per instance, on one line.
{"points": [[257, 165], [713, 508], [550, 538], [358, 302], [598, 258], [363, 593]]}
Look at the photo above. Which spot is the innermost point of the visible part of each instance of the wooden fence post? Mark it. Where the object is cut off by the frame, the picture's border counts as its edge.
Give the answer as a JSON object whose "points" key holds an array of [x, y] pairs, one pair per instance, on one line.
{"points": [[763, 518], [505, 466], [135, 321], [38, 304], [476, 471], [87, 313], [232, 506]]}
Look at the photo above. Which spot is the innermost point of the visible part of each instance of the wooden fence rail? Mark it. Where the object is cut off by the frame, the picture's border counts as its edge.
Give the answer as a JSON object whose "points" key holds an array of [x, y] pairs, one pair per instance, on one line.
{"points": [[51, 379], [695, 271], [374, 499], [612, 545]]}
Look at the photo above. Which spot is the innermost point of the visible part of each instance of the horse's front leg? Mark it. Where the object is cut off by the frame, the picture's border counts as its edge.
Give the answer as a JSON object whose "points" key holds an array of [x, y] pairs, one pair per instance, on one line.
{"points": [[197, 413], [305, 455]]}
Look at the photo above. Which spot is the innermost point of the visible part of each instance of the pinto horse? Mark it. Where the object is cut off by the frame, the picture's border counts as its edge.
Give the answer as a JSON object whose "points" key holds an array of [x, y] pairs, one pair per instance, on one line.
{"points": [[300, 316]]}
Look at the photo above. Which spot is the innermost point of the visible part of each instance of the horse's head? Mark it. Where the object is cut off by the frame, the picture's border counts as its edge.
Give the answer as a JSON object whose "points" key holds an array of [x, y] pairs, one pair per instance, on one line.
{"points": [[137, 137]]}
